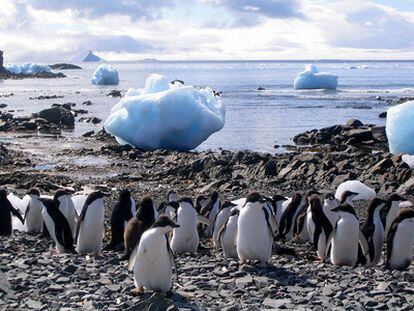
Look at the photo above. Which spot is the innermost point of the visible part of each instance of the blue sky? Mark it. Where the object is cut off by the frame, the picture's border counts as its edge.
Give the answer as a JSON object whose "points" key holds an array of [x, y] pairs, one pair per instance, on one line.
{"points": [[48, 30]]}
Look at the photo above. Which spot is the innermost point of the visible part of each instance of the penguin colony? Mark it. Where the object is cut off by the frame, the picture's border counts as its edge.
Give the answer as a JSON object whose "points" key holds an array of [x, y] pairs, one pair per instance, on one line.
{"points": [[250, 229]]}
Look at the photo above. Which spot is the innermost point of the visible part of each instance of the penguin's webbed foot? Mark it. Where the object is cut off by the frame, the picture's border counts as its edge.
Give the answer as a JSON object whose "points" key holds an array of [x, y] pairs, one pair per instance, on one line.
{"points": [[137, 291]]}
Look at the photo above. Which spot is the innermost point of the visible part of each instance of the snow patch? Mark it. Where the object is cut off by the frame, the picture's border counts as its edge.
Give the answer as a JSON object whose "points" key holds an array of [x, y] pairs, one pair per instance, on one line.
{"points": [[311, 78], [166, 116]]}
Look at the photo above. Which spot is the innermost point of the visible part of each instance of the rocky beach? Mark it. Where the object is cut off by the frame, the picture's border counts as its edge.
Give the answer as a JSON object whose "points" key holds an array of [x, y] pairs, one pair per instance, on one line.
{"points": [[35, 154]]}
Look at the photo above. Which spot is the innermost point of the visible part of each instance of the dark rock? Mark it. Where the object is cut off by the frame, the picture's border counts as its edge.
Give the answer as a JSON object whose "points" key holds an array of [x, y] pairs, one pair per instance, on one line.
{"points": [[93, 120], [261, 88], [114, 93], [154, 303], [354, 123], [59, 116], [383, 115], [87, 103], [3, 106], [64, 66], [88, 134]]}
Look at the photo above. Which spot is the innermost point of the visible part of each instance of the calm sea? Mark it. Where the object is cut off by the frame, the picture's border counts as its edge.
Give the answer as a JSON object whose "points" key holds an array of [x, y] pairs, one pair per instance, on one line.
{"points": [[256, 120]]}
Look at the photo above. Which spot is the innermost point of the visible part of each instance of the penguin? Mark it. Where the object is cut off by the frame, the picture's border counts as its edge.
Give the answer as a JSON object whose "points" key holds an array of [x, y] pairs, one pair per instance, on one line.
{"points": [[6, 208], [278, 206], [33, 215], [122, 212], [373, 231], [153, 258], [171, 210], [211, 210], [201, 202], [220, 220], [136, 226], [319, 226], [57, 226], [345, 239], [185, 238], [300, 229], [63, 201], [400, 240], [172, 196], [391, 210], [227, 235], [347, 197], [328, 205], [90, 225], [254, 232], [287, 220]]}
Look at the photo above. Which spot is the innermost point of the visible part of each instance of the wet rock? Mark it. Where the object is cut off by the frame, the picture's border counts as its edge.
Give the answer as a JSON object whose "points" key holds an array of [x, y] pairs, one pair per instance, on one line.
{"points": [[154, 303], [42, 97], [383, 115], [2, 105], [64, 66], [93, 120], [114, 93]]}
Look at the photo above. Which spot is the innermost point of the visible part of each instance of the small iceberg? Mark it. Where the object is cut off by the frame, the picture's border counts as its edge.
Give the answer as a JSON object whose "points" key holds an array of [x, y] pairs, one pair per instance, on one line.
{"points": [[27, 68], [166, 116], [364, 192], [105, 75], [311, 78], [92, 57], [400, 128]]}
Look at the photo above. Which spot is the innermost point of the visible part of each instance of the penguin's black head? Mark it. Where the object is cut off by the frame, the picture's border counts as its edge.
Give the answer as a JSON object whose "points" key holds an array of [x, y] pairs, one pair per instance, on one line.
{"points": [[346, 208], [377, 202], [405, 213], [146, 202], [228, 204], [234, 212], [296, 198], [311, 192], [171, 196], [164, 222], [124, 194], [347, 194], [48, 203], [315, 202], [186, 200], [255, 197], [174, 204], [279, 198], [214, 196], [395, 197], [200, 198], [34, 191], [59, 193]]}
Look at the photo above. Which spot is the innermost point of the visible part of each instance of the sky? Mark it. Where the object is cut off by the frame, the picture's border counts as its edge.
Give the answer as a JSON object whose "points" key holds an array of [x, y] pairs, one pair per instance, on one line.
{"points": [[63, 30]]}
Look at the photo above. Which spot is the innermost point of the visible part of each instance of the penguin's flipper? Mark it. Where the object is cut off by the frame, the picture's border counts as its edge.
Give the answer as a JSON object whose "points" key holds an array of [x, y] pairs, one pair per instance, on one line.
{"points": [[269, 227], [132, 258], [329, 239], [203, 220], [172, 258], [15, 212]]}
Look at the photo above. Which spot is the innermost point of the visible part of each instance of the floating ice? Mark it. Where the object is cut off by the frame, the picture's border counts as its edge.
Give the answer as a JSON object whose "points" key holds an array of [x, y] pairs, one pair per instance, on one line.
{"points": [[166, 116], [105, 75], [311, 78], [27, 68], [400, 128], [364, 192]]}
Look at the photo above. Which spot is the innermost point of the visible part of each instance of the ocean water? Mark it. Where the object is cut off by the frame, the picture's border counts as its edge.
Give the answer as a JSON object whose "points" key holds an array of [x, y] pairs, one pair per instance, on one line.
{"points": [[255, 120]]}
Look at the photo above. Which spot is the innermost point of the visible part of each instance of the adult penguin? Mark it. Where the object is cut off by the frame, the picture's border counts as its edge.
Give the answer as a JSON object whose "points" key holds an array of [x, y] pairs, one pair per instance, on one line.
{"points": [[33, 215], [373, 232], [220, 220], [6, 208], [346, 240], [391, 210], [211, 210], [328, 205], [57, 226], [90, 225], [122, 212], [227, 235], [64, 203], [319, 226], [136, 226], [289, 216], [278, 206], [400, 240], [254, 232], [152, 261]]}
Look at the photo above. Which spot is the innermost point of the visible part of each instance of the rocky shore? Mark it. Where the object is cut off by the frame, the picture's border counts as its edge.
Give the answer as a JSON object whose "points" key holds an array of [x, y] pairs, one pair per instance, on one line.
{"points": [[39, 279]]}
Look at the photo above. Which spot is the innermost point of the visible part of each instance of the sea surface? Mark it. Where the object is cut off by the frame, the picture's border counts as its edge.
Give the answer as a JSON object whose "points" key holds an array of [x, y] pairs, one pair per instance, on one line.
{"points": [[255, 120]]}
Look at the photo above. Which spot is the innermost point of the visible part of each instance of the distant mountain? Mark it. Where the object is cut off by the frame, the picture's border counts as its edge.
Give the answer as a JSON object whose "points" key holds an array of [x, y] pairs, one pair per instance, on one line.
{"points": [[92, 57]]}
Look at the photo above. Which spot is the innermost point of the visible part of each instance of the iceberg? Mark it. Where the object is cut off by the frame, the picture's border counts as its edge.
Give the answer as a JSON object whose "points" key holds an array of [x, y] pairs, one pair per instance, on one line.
{"points": [[311, 78], [166, 116], [27, 68], [364, 192], [400, 128], [105, 75], [92, 57]]}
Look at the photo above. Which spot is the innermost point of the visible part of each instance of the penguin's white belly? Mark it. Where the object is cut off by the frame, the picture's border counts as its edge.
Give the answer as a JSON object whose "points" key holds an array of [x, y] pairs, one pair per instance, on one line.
{"points": [[344, 249], [91, 230], [378, 239], [402, 249], [185, 238], [152, 269], [68, 210], [253, 237], [310, 225], [50, 224], [228, 239], [211, 217], [321, 247], [34, 220], [392, 214], [220, 221], [332, 216]]}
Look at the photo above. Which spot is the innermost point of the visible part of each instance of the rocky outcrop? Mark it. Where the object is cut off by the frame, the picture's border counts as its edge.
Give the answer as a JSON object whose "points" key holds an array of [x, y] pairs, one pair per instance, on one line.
{"points": [[64, 66]]}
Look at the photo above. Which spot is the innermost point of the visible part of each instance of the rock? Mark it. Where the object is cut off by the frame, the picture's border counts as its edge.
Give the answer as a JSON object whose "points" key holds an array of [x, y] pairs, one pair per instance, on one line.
{"points": [[154, 303], [383, 115], [64, 66], [87, 103], [88, 134], [93, 120], [407, 188], [59, 116], [354, 123], [114, 93], [261, 88], [3, 106]]}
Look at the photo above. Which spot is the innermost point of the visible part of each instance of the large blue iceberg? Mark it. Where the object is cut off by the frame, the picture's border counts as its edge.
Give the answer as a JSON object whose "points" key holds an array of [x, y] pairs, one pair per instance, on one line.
{"points": [[27, 68], [311, 78], [163, 115], [105, 75], [400, 128]]}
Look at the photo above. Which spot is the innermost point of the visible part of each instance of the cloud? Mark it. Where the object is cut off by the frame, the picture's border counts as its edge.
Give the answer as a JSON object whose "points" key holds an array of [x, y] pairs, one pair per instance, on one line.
{"points": [[269, 8], [136, 9], [364, 25]]}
